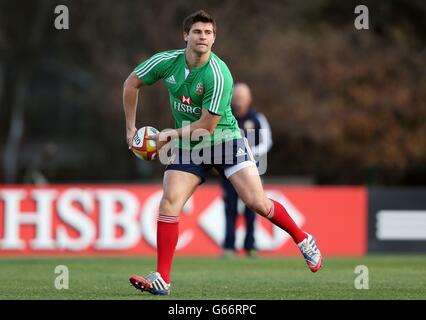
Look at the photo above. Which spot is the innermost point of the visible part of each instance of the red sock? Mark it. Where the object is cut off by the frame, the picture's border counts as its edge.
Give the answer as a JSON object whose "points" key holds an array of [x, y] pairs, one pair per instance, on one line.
{"points": [[280, 217], [167, 237]]}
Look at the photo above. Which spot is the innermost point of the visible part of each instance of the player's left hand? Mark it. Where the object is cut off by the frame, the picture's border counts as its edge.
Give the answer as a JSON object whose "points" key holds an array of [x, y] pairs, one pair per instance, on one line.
{"points": [[130, 134]]}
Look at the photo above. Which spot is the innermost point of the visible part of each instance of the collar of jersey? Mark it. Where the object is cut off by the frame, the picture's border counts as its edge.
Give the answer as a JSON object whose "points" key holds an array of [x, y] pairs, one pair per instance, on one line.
{"points": [[199, 67]]}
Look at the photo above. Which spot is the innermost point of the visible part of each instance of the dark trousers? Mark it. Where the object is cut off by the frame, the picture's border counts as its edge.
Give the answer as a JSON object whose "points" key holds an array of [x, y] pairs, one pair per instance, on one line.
{"points": [[231, 213]]}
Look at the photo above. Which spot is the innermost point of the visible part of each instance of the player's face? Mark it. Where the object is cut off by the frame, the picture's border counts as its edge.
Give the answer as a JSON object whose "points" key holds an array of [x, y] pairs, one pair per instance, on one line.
{"points": [[200, 38]]}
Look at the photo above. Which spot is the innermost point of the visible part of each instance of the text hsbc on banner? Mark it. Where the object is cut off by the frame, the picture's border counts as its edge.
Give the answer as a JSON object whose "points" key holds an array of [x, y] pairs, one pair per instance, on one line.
{"points": [[121, 219]]}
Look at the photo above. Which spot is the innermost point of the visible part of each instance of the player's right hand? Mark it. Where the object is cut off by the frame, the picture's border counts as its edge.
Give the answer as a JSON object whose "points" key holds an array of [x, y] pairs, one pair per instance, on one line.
{"points": [[130, 133]]}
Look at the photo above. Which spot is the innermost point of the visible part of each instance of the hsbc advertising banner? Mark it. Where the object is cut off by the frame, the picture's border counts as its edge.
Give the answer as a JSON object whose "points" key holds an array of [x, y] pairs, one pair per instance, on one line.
{"points": [[121, 220]]}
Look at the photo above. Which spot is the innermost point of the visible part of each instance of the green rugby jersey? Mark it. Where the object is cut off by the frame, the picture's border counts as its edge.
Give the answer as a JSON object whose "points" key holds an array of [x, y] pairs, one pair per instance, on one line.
{"points": [[207, 86]]}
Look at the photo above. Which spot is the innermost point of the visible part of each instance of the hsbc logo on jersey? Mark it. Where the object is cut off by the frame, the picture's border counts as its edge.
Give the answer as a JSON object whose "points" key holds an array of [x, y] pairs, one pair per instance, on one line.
{"points": [[185, 99], [185, 107]]}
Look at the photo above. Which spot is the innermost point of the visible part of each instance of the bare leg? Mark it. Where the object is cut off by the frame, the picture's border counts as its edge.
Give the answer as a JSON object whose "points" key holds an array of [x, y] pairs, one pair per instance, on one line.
{"points": [[178, 187], [249, 187]]}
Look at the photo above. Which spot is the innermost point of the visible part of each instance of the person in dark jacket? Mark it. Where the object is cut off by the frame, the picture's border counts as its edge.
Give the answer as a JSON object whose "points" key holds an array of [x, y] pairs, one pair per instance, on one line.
{"points": [[256, 129]]}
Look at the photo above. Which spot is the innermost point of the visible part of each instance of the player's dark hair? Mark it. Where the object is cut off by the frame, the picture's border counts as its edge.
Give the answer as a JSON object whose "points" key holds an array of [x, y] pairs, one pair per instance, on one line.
{"points": [[198, 16]]}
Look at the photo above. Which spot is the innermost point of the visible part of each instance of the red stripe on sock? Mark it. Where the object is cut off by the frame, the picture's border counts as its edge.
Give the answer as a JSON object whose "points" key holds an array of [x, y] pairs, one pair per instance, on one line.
{"points": [[171, 219], [280, 217], [167, 237]]}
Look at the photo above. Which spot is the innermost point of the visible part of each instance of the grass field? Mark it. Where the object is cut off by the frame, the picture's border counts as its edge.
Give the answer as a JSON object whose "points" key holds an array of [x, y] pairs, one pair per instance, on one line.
{"points": [[390, 277]]}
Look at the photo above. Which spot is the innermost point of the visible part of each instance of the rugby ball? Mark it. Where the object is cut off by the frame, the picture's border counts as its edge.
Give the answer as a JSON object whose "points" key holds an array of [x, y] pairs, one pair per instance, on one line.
{"points": [[142, 147]]}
